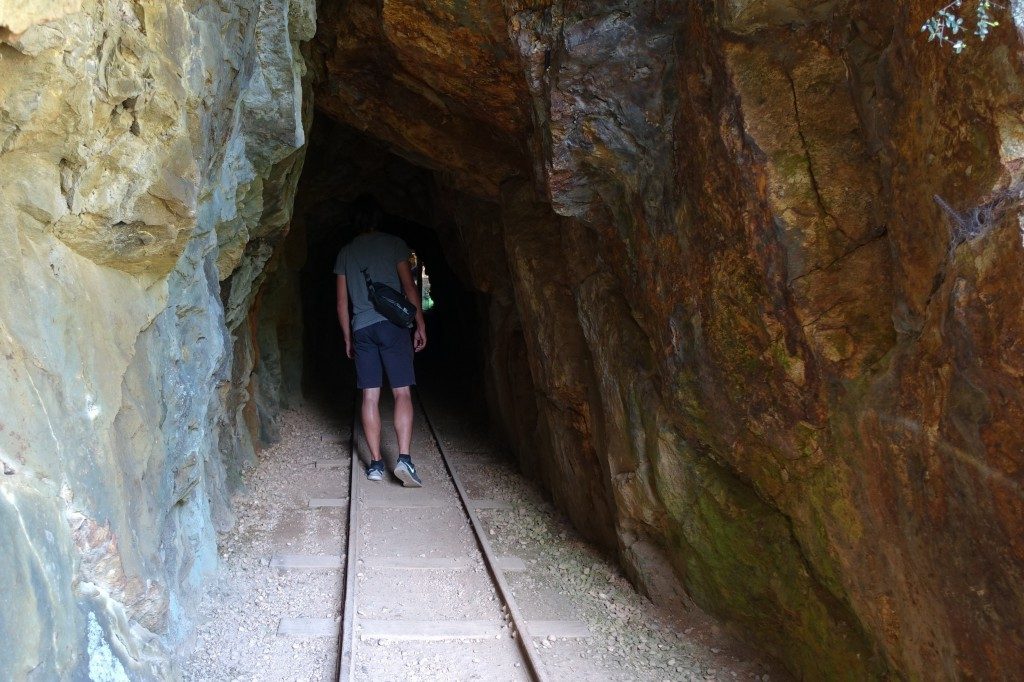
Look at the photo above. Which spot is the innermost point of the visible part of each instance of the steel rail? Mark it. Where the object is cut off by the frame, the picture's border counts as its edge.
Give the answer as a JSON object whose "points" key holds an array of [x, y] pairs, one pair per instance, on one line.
{"points": [[534, 665], [346, 659]]}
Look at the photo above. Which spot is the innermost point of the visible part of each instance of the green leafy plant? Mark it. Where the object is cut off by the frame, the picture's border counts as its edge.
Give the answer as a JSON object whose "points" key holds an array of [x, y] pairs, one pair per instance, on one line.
{"points": [[948, 26]]}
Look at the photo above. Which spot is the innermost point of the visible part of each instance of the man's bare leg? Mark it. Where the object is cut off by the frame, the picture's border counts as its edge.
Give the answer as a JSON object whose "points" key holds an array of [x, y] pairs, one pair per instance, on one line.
{"points": [[404, 470], [403, 418], [371, 420]]}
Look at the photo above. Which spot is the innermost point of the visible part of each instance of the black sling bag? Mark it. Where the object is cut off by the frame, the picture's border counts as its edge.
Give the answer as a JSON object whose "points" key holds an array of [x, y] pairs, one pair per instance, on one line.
{"points": [[390, 303]]}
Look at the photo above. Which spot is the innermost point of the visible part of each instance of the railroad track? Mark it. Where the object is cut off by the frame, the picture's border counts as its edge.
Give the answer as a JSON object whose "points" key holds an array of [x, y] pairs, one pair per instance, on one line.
{"points": [[422, 580], [418, 570]]}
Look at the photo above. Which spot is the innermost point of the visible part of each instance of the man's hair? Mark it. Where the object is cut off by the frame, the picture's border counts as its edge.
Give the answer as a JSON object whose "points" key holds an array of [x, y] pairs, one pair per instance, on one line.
{"points": [[366, 214]]}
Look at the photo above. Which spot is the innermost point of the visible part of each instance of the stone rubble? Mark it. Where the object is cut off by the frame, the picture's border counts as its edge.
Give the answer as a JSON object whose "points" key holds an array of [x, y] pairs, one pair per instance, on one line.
{"points": [[238, 619]]}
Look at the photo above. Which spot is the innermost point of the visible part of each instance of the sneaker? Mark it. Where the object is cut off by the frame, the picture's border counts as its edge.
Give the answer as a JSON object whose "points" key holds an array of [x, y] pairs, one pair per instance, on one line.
{"points": [[375, 472], [406, 473]]}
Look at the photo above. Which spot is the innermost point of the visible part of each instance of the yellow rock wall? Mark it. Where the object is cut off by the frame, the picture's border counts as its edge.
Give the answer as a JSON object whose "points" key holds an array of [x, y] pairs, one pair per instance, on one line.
{"points": [[144, 150]]}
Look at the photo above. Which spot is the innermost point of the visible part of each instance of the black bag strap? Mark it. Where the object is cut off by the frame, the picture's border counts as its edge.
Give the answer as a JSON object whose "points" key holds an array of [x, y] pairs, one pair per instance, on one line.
{"points": [[369, 282]]}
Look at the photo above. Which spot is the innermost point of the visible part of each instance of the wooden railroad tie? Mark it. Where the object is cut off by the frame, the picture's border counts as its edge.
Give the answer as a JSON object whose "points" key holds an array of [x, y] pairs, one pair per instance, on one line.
{"points": [[430, 630], [505, 563], [321, 502], [306, 561]]}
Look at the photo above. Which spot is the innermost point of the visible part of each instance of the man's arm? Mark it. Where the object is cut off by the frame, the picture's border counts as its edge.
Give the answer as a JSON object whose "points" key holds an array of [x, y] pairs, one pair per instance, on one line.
{"points": [[346, 324], [419, 339]]}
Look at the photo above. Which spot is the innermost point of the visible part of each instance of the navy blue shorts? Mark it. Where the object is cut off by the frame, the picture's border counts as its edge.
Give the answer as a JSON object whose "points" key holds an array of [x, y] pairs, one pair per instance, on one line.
{"points": [[386, 346]]}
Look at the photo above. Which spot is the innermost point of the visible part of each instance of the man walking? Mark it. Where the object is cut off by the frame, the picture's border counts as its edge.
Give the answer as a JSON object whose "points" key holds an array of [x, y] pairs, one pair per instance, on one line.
{"points": [[376, 344]]}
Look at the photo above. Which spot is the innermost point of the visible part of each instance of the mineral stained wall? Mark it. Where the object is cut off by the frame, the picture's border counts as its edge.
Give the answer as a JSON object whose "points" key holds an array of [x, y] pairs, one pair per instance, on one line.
{"points": [[729, 326], [148, 154]]}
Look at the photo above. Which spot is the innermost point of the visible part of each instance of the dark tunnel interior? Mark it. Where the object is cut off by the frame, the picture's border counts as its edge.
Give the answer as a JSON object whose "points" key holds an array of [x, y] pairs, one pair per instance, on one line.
{"points": [[341, 166]]}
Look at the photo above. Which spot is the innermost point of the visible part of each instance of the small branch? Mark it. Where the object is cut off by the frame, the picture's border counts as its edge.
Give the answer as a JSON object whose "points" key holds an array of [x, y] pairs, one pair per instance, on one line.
{"points": [[945, 26], [979, 220]]}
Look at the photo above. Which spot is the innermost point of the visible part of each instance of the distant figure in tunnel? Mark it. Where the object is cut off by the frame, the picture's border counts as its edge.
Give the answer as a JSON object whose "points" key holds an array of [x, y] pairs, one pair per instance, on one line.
{"points": [[376, 344]]}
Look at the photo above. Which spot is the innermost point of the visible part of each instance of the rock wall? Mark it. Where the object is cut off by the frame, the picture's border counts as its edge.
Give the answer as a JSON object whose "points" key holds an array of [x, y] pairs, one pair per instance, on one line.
{"points": [[729, 327], [147, 162]]}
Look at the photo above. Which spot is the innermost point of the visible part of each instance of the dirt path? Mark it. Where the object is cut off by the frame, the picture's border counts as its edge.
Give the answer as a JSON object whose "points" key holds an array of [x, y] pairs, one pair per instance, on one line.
{"points": [[557, 577], [425, 605]]}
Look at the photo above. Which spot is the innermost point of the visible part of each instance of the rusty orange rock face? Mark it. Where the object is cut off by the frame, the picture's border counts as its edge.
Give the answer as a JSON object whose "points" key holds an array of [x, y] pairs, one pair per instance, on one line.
{"points": [[726, 304], [435, 79]]}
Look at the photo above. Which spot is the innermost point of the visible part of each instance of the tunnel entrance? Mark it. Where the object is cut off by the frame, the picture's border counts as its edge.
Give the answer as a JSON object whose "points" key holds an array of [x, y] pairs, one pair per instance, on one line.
{"points": [[417, 578], [343, 164]]}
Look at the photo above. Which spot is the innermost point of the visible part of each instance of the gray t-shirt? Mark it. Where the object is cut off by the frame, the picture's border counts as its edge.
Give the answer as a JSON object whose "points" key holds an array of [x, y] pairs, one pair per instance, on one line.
{"points": [[380, 253]]}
